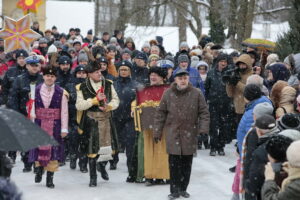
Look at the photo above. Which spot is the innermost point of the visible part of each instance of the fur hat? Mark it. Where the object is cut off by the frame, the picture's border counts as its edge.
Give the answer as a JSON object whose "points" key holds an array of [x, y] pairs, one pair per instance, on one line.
{"points": [[292, 154], [79, 68], [92, 67], [262, 109], [126, 50], [252, 92], [126, 63], [162, 72], [49, 70], [64, 60], [289, 121], [277, 146]]}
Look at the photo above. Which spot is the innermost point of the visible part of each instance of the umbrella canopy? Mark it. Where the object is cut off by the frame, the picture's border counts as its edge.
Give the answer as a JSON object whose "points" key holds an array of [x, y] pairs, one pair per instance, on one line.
{"points": [[17, 133], [260, 44]]}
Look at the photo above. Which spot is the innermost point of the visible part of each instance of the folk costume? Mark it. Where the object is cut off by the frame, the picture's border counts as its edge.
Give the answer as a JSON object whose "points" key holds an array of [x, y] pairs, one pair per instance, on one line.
{"points": [[95, 123], [51, 114]]}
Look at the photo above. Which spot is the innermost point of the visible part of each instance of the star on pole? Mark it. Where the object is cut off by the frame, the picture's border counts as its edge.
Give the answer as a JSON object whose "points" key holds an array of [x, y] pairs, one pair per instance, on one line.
{"points": [[18, 34], [29, 5]]}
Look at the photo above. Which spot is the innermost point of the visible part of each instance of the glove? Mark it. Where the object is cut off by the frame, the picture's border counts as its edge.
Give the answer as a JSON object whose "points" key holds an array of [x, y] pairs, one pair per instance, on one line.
{"points": [[234, 80]]}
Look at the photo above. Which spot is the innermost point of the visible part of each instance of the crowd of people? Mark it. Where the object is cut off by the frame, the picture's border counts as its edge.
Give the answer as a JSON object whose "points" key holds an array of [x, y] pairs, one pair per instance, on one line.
{"points": [[84, 91]]}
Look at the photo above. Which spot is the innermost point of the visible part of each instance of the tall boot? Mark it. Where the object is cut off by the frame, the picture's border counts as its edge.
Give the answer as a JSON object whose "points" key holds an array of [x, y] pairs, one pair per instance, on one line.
{"points": [[83, 164], [93, 172], [73, 159], [102, 170], [49, 181], [39, 174]]}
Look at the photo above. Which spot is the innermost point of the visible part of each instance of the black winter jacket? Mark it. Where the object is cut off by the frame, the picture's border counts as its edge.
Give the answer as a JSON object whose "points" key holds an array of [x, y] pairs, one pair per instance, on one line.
{"points": [[8, 80], [126, 90], [215, 89], [19, 94]]}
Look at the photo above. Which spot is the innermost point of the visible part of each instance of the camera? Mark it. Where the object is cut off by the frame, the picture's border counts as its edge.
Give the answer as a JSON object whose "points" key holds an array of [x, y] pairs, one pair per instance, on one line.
{"points": [[231, 76], [277, 167]]}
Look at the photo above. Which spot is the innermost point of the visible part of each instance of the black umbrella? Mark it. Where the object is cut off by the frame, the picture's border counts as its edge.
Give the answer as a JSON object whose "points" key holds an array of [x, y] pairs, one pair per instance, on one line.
{"points": [[17, 133]]}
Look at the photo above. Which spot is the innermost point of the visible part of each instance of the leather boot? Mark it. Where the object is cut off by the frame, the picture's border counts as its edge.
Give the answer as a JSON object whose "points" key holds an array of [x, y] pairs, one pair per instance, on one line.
{"points": [[83, 164], [39, 174], [102, 170], [93, 172], [49, 181], [73, 159]]}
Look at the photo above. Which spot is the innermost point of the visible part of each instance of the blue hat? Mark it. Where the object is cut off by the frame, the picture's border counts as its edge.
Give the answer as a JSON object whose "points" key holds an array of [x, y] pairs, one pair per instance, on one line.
{"points": [[181, 72], [165, 64], [32, 60]]}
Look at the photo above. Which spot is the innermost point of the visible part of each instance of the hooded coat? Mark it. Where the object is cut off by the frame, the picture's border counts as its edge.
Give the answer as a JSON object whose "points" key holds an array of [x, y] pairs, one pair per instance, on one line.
{"points": [[237, 91], [286, 101]]}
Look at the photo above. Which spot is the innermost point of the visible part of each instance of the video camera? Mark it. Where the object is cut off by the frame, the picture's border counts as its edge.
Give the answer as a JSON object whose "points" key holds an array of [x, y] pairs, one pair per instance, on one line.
{"points": [[231, 76]]}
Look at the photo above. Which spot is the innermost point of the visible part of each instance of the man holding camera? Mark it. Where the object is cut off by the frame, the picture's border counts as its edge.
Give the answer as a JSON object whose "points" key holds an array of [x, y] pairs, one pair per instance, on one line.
{"points": [[236, 83]]}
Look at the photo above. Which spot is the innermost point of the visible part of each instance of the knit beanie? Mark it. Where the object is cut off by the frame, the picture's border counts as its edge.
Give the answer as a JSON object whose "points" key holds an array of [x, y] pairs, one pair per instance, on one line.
{"points": [[292, 154], [183, 58], [289, 121], [252, 92], [291, 133], [263, 109], [277, 147]]}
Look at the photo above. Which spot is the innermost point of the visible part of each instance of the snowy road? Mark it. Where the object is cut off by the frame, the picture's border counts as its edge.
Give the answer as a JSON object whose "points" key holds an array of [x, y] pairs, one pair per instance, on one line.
{"points": [[210, 180]]}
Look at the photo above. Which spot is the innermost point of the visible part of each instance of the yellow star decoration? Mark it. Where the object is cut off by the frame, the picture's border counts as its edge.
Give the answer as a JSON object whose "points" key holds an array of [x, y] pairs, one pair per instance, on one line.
{"points": [[17, 34], [29, 5]]}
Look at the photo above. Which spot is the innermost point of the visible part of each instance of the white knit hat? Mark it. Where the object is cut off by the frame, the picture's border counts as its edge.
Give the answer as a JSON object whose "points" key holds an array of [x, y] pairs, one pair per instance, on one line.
{"points": [[292, 154], [291, 133]]}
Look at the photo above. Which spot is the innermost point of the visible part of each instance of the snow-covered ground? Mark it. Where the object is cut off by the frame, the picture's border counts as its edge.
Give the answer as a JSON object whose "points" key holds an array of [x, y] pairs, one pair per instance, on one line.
{"points": [[210, 180]]}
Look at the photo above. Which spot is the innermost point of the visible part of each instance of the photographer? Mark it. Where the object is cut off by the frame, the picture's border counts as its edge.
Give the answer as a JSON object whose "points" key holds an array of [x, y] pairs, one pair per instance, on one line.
{"points": [[290, 188], [236, 83]]}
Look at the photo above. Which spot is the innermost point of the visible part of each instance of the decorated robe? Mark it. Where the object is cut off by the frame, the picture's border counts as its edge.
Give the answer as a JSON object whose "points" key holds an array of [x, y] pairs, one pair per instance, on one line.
{"points": [[51, 114]]}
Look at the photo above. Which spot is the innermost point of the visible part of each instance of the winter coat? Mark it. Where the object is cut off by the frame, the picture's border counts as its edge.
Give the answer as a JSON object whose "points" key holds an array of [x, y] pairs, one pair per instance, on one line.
{"points": [[140, 74], [183, 115], [63, 78], [247, 120], [275, 95], [250, 146], [256, 178], [195, 79], [237, 91], [290, 191], [126, 90], [8, 80], [286, 103], [293, 81], [215, 89], [19, 94]]}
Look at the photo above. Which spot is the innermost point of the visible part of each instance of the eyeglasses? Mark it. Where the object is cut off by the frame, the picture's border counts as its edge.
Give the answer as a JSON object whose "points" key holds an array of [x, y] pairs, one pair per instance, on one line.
{"points": [[34, 65]]}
